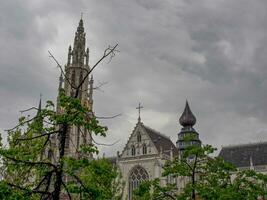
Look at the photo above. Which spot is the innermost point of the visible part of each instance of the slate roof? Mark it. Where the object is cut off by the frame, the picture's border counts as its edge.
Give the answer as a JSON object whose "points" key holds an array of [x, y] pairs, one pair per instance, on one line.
{"points": [[242, 155], [161, 141]]}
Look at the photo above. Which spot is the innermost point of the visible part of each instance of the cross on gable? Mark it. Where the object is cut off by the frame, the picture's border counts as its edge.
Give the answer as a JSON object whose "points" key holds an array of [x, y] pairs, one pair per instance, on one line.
{"points": [[139, 110]]}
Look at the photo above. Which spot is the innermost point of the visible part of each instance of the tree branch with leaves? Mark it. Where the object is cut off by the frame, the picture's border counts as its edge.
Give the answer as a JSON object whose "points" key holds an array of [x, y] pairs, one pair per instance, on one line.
{"points": [[29, 172]]}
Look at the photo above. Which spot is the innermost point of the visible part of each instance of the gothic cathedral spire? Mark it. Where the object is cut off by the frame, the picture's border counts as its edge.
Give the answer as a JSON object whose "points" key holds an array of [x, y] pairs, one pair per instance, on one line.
{"points": [[76, 73], [77, 67]]}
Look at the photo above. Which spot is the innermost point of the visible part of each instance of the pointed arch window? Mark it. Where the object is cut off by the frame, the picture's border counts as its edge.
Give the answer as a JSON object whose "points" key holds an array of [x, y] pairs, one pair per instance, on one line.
{"points": [[73, 78], [137, 175], [133, 150], [81, 77], [144, 149], [139, 138], [50, 154]]}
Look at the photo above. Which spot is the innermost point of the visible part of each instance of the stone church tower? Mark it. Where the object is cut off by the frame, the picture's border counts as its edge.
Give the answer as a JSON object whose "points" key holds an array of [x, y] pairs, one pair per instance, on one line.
{"points": [[75, 72]]}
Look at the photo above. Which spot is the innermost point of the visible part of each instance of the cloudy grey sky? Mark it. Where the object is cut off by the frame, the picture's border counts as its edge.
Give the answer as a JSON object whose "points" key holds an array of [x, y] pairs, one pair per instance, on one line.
{"points": [[211, 52]]}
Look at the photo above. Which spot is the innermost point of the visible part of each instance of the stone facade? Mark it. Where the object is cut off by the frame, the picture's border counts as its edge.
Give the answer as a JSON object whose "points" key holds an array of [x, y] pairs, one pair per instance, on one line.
{"points": [[143, 157], [146, 150]]}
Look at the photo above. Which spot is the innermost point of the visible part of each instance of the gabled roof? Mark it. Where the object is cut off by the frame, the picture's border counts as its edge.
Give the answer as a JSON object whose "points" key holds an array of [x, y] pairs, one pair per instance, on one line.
{"points": [[246, 154], [161, 141]]}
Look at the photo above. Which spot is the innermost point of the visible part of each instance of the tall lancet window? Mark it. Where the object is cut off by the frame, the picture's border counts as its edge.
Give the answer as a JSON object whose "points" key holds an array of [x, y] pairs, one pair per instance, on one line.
{"points": [[80, 80], [81, 77], [73, 78], [50, 154], [133, 150], [139, 137], [144, 149], [137, 175]]}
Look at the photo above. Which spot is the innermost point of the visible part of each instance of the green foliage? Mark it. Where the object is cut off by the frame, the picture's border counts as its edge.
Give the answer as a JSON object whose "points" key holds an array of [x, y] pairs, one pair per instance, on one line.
{"points": [[153, 190], [28, 170], [206, 177], [97, 179]]}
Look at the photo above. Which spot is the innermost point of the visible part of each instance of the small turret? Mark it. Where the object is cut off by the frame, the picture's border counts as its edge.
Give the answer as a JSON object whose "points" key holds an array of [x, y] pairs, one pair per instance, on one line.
{"points": [[69, 56], [39, 117], [61, 80], [187, 136], [39, 106], [87, 57], [91, 85], [60, 86]]}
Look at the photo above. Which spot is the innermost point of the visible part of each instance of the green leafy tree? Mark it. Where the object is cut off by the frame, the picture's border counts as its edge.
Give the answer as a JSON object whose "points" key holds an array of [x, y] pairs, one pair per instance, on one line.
{"points": [[152, 189], [206, 178], [29, 173]]}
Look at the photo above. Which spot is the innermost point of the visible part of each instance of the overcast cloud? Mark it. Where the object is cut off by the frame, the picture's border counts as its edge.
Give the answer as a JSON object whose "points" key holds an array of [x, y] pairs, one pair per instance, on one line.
{"points": [[211, 52]]}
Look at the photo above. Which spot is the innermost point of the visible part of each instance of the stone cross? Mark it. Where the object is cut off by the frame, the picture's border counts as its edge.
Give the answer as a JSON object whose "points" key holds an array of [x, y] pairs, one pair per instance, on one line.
{"points": [[139, 110]]}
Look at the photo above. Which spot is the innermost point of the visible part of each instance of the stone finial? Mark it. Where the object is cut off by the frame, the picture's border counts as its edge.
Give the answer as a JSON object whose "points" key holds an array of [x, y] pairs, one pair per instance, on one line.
{"points": [[171, 153], [251, 163], [69, 55], [161, 151]]}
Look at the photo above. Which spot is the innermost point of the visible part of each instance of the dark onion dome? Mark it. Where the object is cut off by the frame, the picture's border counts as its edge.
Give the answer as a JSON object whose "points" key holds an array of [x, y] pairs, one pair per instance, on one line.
{"points": [[187, 118]]}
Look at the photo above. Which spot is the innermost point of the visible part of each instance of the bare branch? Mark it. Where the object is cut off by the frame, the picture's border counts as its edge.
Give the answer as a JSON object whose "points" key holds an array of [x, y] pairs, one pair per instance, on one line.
{"points": [[26, 110], [31, 163], [79, 181], [48, 122], [64, 185], [104, 144], [189, 166], [109, 117], [32, 138], [109, 51], [21, 124], [28, 190], [100, 85], [46, 141], [61, 68], [112, 53], [48, 183], [47, 176]]}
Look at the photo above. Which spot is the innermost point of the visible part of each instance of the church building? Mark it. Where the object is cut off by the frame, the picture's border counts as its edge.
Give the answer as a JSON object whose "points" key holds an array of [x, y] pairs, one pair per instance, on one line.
{"points": [[147, 150]]}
